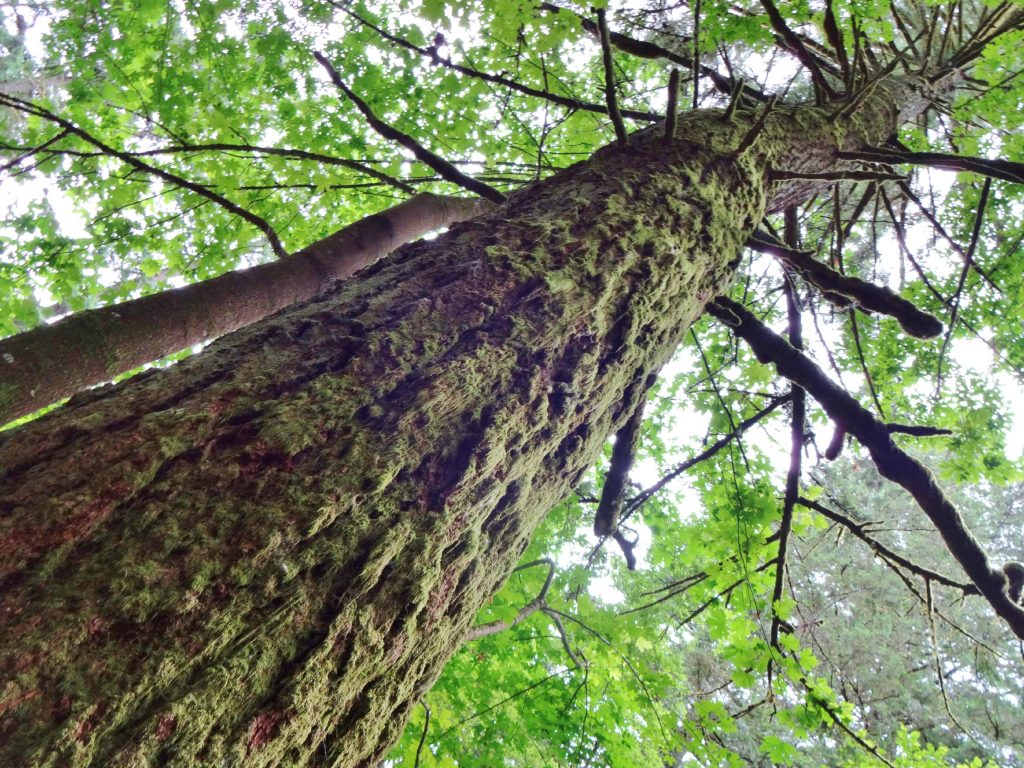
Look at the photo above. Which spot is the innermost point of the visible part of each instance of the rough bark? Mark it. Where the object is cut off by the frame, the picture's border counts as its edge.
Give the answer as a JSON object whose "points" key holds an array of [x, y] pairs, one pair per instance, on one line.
{"points": [[265, 555], [51, 362]]}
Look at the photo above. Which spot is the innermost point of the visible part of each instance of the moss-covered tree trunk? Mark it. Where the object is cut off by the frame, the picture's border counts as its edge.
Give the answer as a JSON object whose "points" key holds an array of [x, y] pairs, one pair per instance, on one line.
{"points": [[264, 555]]}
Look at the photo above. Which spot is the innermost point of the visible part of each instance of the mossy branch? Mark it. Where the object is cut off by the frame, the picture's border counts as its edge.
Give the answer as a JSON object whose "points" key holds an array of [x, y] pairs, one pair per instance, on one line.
{"points": [[868, 296], [892, 462]]}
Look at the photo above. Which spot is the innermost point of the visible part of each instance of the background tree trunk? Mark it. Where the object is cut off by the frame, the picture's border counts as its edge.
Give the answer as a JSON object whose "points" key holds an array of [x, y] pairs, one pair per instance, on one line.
{"points": [[266, 554]]}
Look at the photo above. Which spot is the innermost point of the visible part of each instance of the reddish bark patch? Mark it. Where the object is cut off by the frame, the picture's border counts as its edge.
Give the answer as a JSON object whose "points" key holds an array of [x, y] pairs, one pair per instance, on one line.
{"points": [[262, 728], [86, 726], [166, 727]]}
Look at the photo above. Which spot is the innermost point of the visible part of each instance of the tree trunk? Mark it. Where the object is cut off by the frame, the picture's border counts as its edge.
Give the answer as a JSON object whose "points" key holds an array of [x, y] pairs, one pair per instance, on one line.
{"points": [[43, 365], [265, 554]]}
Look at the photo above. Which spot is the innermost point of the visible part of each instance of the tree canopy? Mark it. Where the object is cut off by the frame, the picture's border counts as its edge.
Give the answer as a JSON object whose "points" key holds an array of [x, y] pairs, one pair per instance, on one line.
{"points": [[759, 595]]}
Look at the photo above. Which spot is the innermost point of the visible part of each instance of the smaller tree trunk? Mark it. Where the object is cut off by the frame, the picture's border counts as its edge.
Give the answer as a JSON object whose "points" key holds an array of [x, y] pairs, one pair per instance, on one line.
{"points": [[50, 362]]}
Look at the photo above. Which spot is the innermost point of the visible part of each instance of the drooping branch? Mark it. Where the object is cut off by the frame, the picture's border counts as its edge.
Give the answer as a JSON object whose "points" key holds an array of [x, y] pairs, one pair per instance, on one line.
{"points": [[447, 171], [43, 365], [258, 221], [868, 296], [1007, 170], [892, 462]]}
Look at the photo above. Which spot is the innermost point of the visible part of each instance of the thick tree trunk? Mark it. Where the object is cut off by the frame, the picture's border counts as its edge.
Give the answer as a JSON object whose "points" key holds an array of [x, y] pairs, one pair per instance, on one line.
{"points": [[50, 362], [266, 554]]}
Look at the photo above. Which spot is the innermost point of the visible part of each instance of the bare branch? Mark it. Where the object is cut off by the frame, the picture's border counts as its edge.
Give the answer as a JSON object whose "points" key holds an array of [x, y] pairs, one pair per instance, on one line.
{"points": [[1006, 170], [860, 530], [892, 462]]}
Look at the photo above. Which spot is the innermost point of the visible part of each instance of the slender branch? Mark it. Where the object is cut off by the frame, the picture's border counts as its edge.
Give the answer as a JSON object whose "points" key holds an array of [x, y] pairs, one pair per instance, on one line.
{"points": [[892, 462], [300, 154], [917, 430], [696, 54], [779, 174], [792, 42], [33, 151], [946, 236], [423, 736], [864, 366], [835, 39], [968, 262], [646, 50], [259, 222], [641, 498], [447, 171], [609, 79], [796, 436], [537, 604], [860, 531]]}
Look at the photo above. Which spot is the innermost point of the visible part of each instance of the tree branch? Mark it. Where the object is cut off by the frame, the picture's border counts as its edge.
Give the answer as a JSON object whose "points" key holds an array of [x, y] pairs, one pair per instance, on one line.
{"points": [[447, 171], [259, 222], [609, 79], [860, 531], [1006, 170], [505, 82], [893, 463], [865, 295]]}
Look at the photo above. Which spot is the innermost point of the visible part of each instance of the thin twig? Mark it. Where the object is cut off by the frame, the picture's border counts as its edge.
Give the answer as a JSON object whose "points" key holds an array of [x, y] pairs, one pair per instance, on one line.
{"points": [[968, 262]]}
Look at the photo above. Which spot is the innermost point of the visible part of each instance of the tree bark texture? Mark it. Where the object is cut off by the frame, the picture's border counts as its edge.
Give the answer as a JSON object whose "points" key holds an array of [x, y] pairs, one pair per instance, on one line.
{"points": [[51, 362], [264, 555]]}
